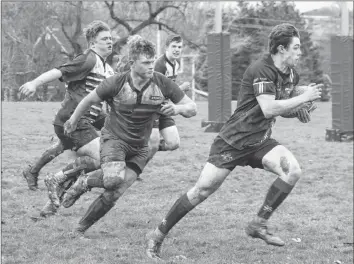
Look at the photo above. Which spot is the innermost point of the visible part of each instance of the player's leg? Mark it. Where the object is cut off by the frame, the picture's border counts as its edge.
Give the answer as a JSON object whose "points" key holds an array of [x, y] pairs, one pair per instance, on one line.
{"points": [[279, 160], [50, 208], [31, 173], [84, 183], [212, 176], [154, 140], [54, 182], [169, 132], [118, 176], [85, 140]]}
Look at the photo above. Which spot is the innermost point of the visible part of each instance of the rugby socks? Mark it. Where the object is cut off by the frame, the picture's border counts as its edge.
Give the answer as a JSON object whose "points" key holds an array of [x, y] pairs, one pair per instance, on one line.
{"points": [[97, 210], [277, 193], [46, 157], [95, 179], [181, 207]]}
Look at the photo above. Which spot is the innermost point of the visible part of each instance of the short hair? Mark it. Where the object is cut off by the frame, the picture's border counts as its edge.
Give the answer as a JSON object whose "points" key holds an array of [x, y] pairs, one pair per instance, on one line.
{"points": [[281, 34], [173, 38], [140, 46], [94, 28]]}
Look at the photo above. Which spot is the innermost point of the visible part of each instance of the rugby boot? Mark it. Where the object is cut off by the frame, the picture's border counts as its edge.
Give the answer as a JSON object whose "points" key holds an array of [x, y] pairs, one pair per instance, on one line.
{"points": [[154, 241], [259, 229], [31, 178], [49, 209], [75, 191]]}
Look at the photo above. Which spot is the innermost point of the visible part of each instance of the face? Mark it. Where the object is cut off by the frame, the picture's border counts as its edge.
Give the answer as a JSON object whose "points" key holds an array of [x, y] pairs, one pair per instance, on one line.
{"points": [[102, 44], [144, 66], [174, 50], [293, 53]]}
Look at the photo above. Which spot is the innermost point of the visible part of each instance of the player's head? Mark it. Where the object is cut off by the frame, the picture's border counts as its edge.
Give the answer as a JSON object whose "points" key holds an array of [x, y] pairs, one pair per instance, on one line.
{"points": [[99, 38], [142, 55], [284, 41], [173, 47]]}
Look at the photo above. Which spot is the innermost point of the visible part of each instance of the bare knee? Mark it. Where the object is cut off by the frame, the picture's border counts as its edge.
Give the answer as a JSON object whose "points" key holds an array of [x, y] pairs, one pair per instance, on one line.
{"points": [[172, 144], [294, 174], [112, 177], [199, 193], [154, 140]]}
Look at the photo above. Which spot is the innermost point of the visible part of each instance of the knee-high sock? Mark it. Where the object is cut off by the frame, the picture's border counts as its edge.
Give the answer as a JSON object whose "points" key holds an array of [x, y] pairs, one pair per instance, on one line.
{"points": [[277, 193], [180, 208], [97, 210]]}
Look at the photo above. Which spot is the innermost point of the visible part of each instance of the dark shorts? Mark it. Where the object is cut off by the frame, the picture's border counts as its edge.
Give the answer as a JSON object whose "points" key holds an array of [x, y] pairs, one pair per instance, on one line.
{"points": [[163, 122], [223, 155], [112, 149], [84, 133]]}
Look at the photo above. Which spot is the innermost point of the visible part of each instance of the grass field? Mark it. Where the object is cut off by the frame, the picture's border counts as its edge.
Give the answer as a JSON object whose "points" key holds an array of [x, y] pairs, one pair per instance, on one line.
{"points": [[316, 221]]}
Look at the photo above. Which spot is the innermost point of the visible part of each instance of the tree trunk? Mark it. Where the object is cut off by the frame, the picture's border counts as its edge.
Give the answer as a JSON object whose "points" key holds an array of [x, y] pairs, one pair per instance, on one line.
{"points": [[13, 94], [45, 93]]}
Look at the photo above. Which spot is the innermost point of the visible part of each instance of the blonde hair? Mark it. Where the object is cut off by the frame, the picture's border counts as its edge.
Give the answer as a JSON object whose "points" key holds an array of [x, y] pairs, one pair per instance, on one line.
{"points": [[94, 28], [139, 46]]}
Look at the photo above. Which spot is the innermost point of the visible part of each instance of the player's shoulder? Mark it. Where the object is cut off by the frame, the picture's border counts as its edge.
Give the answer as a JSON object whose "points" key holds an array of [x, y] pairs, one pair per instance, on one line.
{"points": [[263, 66], [160, 63], [88, 57]]}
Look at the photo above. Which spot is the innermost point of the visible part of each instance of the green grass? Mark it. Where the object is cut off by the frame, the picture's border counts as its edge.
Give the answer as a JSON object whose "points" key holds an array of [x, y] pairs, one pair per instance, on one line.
{"points": [[319, 211]]}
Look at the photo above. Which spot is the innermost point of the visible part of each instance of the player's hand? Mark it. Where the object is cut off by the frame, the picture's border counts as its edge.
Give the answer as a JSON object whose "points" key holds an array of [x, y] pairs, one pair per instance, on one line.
{"points": [[169, 110], [313, 91], [69, 127], [28, 89], [303, 115], [185, 86]]}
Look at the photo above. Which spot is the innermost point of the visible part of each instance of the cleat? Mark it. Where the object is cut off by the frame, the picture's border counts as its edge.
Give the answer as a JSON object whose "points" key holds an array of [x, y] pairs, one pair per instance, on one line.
{"points": [[52, 185], [139, 178], [259, 229], [154, 241], [49, 209], [31, 178], [75, 191], [78, 232]]}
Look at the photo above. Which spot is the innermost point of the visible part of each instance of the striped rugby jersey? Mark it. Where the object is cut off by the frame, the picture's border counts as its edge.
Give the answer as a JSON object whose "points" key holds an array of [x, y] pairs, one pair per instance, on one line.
{"points": [[132, 111], [82, 75], [164, 66], [247, 127]]}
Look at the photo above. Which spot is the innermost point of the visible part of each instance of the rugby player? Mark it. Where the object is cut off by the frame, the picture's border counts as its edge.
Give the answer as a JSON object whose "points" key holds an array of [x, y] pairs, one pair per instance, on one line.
{"points": [[136, 98], [168, 64], [81, 75], [245, 139]]}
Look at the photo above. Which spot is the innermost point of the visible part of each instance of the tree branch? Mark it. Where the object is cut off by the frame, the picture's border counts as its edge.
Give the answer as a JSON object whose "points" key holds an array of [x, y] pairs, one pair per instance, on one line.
{"points": [[192, 44], [115, 18]]}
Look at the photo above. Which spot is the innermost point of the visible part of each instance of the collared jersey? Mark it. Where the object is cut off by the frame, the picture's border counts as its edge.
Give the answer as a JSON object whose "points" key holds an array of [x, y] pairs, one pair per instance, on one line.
{"points": [[132, 111], [82, 75], [164, 66], [248, 127]]}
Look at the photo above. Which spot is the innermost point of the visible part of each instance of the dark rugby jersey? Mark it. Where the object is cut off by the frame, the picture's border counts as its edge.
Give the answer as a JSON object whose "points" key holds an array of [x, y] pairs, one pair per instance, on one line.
{"points": [[164, 66], [247, 127], [82, 75], [132, 111]]}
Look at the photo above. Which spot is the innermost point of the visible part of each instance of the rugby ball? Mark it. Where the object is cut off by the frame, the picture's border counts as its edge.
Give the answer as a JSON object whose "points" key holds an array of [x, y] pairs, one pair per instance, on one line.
{"points": [[309, 106]]}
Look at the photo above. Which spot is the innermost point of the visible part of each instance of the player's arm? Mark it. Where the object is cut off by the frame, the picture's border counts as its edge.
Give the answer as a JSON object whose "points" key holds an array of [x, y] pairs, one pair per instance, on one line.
{"points": [[104, 90], [272, 108], [29, 88], [182, 104], [186, 107], [264, 89]]}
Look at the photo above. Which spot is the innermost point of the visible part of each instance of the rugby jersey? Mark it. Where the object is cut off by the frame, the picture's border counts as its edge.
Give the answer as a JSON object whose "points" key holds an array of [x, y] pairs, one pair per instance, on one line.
{"points": [[248, 127], [164, 66], [132, 111], [82, 75]]}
